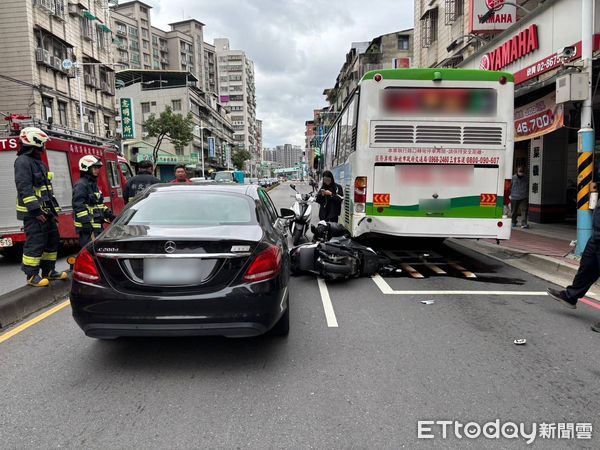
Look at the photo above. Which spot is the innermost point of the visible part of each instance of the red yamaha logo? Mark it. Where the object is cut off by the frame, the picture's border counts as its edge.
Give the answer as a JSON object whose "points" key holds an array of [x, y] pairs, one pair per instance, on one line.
{"points": [[485, 63], [496, 5]]}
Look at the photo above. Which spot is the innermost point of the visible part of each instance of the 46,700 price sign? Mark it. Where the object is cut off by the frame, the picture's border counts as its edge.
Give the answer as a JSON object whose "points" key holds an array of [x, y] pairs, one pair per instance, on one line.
{"points": [[537, 118], [535, 124]]}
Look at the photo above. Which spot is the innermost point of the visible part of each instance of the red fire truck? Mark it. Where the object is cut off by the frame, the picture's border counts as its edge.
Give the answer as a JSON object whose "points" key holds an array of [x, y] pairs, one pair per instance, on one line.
{"points": [[62, 156]]}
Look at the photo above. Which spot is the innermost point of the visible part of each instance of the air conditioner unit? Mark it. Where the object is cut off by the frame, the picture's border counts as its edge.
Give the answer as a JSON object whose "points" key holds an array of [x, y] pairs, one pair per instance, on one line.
{"points": [[57, 63], [42, 56], [74, 9], [89, 127]]}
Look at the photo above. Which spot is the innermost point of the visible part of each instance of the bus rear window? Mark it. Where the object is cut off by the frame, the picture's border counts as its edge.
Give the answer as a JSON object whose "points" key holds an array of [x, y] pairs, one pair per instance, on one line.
{"points": [[439, 101]]}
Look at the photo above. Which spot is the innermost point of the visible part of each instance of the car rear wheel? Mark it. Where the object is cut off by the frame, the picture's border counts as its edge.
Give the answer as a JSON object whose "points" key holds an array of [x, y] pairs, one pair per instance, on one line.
{"points": [[282, 328]]}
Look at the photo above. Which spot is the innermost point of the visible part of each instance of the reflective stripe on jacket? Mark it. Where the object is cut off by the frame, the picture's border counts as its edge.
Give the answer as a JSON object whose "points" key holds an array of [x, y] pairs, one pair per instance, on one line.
{"points": [[88, 204], [35, 195]]}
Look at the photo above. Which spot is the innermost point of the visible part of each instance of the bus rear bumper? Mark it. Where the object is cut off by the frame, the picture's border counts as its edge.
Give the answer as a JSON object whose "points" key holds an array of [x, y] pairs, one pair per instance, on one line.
{"points": [[434, 227]]}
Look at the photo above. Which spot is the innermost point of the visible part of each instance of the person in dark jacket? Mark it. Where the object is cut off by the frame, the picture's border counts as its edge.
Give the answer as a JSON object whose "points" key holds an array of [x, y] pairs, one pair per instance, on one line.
{"points": [[38, 209], [519, 195], [88, 201], [330, 198], [141, 181], [587, 274]]}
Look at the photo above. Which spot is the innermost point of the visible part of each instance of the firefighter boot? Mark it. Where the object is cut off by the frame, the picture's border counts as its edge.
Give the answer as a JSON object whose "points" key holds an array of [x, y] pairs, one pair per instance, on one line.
{"points": [[54, 275], [37, 281]]}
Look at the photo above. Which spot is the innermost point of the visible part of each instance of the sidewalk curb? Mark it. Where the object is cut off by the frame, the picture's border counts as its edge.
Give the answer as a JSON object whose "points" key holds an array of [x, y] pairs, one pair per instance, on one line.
{"points": [[543, 263], [18, 304]]}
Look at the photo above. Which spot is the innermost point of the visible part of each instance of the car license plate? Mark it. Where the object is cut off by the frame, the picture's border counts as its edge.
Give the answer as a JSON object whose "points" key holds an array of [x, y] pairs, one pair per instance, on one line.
{"points": [[173, 272], [6, 242]]}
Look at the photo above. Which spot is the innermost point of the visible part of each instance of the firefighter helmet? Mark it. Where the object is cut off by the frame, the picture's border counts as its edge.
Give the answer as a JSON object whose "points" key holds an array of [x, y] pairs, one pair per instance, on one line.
{"points": [[34, 137], [89, 161]]}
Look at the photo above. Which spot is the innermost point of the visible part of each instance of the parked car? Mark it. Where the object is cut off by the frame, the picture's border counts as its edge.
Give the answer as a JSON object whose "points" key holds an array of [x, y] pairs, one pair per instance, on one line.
{"points": [[179, 263]]}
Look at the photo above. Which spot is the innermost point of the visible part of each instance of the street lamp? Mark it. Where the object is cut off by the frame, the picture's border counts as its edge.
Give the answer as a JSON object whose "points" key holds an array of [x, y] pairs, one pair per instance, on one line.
{"points": [[491, 11], [456, 41]]}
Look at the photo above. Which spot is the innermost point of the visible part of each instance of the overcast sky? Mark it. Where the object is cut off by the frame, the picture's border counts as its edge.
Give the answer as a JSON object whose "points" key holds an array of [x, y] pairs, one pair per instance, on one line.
{"points": [[298, 47]]}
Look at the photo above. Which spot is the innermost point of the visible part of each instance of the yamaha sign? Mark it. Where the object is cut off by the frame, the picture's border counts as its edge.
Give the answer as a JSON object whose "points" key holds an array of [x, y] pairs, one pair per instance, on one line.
{"points": [[517, 47], [504, 16]]}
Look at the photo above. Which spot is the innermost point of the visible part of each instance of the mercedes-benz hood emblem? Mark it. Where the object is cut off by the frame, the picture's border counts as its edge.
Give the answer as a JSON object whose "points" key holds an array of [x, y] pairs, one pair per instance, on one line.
{"points": [[170, 247]]}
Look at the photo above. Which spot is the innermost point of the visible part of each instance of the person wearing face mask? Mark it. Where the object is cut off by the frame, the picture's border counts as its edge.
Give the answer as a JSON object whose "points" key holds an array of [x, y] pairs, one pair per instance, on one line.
{"points": [[519, 194]]}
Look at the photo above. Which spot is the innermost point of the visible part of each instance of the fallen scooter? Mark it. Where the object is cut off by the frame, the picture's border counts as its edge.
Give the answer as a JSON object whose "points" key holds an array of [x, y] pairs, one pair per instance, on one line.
{"points": [[338, 258]]}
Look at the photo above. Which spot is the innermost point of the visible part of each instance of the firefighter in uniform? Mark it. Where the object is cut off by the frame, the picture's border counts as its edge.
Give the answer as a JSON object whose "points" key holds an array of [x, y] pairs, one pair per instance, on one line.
{"points": [[38, 209], [88, 201]]}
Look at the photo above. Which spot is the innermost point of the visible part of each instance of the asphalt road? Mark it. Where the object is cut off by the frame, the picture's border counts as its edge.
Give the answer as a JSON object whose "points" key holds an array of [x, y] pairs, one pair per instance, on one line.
{"points": [[365, 383]]}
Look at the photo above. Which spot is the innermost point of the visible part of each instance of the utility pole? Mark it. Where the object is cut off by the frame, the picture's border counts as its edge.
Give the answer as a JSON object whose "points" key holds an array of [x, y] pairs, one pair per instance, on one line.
{"points": [[585, 135]]}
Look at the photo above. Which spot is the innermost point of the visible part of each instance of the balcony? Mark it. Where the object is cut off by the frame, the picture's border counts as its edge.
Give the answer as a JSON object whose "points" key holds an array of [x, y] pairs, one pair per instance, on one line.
{"points": [[107, 88], [121, 32]]}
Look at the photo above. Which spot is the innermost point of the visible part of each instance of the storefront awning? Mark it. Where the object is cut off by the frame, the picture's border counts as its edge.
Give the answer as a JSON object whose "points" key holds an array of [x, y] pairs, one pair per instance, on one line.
{"points": [[105, 29], [89, 15]]}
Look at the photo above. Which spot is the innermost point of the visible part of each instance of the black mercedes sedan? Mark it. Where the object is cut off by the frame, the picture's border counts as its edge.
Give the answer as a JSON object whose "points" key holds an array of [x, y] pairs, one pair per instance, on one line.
{"points": [[188, 259]]}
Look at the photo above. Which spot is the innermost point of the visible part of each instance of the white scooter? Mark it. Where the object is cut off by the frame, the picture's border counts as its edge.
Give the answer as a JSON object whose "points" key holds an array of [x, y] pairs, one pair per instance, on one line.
{"points": [[302, 210]]}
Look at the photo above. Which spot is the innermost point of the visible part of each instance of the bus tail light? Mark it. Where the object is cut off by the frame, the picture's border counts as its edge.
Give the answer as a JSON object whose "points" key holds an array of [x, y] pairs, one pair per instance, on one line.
{"points": [[360, 194], [507, 189]]}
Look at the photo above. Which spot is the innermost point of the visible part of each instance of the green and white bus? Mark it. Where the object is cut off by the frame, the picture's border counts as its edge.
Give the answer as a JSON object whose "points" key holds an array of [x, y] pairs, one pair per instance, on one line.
{"points": [[425, 153]]}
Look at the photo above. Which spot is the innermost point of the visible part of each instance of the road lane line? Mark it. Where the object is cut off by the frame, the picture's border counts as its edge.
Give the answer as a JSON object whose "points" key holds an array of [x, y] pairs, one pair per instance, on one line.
{"points": [[6, 336], [387, 290], [327, 306]]}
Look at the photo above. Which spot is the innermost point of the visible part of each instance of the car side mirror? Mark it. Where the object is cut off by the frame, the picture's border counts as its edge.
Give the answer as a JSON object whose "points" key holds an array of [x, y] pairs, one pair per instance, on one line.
{"points": [[287, 213]]}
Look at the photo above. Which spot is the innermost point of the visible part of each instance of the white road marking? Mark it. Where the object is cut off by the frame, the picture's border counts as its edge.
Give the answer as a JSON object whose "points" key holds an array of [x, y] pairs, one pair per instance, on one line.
{"points": [[327, 306], [387, 290]]}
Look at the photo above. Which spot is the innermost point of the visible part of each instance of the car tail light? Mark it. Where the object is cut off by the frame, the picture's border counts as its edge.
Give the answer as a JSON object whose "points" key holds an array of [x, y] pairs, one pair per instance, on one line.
{"points": [[360, 190], [85, 268], [507, 189], [265, 266]]}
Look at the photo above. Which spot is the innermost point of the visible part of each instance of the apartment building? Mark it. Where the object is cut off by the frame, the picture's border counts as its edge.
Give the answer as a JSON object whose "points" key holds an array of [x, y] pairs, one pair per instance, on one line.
{"points": [[139, 45], [237, 93], [154, 91], [37, 36], [288, 155], [388, 51]]}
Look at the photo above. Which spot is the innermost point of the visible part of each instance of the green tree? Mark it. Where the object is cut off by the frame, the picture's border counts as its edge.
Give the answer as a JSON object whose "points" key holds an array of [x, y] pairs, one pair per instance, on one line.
{"points": [[239, 157], [177, 128]]}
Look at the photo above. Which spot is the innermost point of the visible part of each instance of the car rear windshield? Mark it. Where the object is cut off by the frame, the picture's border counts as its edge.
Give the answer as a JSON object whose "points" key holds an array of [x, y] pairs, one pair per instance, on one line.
{"points": [[224, 176], [194, 208]]}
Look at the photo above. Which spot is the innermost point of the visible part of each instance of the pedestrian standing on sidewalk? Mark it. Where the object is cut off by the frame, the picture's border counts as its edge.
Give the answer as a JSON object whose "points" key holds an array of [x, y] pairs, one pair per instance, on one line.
{"points": [[587, 274], [519, 197]]}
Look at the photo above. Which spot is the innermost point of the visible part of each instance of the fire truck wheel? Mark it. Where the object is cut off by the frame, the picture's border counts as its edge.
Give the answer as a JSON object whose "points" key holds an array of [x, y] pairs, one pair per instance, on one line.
{"points": [[14, 253]]}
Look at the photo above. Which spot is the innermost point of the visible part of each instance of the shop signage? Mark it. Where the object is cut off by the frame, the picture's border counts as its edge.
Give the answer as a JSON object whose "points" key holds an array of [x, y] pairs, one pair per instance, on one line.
{"points": [[512, 50], [211, 147], [504, 16], [538, 118], [127, 121]]}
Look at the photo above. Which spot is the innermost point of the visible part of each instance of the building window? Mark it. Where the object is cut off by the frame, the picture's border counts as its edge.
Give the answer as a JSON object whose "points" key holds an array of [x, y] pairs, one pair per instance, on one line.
{"points": [[454, 10], [133, 31], [135, 57], [46, 108], [145, 108], [106, 126], [429, 27], [176, 105], [403, 42], [62, 113], [146, 58], [146, 44]]}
